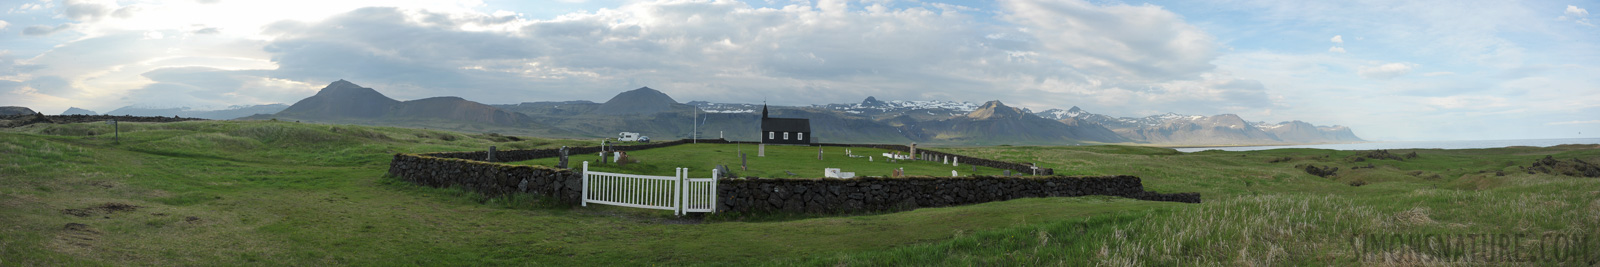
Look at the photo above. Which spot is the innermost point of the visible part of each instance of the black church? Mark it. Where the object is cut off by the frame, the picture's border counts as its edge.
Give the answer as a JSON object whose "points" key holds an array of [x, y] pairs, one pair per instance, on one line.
{"points": [[784, 130]]}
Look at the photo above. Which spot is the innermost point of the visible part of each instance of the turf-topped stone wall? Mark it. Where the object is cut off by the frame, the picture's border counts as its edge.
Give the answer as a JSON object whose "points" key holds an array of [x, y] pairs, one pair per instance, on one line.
{"points": [[825, 196], [528, 154], [833, 196], [487, 178]]}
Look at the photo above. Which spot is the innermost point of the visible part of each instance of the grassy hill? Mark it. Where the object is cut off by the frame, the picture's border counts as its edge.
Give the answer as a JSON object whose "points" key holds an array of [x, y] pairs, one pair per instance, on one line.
{"points": [[284, 193]]}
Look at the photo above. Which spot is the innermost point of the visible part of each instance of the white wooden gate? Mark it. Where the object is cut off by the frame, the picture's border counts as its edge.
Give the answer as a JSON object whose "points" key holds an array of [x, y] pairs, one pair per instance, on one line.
{"points": [[678, 193]]}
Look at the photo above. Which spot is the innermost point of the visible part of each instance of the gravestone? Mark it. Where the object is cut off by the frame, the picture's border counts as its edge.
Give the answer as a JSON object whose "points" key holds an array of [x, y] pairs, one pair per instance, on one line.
{"points": [[491, 154], [974, 168], [819, 153], [913, 151], [744, 162], [954, 174], [1008, 173], [563, 163], [761, 150], [723, 171], [956, 162]]}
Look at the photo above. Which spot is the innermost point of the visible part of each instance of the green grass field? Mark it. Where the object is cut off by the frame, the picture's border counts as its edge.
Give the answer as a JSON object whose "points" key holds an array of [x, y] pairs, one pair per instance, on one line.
{"points": [[284, 193], [801, 160]]}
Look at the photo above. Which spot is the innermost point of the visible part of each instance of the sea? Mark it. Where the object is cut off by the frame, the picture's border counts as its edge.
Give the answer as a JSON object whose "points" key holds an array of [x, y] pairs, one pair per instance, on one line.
{"points": [[1413, 144]]}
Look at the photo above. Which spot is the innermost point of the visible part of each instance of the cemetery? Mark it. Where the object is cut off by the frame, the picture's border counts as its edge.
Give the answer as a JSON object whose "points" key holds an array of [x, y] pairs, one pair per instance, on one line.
{"points": [[754, 177], [777, 161]]}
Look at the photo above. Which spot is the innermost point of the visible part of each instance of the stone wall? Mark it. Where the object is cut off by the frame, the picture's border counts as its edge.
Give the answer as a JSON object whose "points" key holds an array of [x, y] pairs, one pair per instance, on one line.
{"points": [[24, 120], [833, 196], [487, 178], [824, 196]]}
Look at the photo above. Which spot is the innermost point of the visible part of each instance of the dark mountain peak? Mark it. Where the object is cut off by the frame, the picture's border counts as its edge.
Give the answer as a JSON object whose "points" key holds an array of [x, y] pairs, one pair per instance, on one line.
{"points": [[637, 101], [78, 111], [1074, 109], [872, 102], [342, 99], [995, 109]]}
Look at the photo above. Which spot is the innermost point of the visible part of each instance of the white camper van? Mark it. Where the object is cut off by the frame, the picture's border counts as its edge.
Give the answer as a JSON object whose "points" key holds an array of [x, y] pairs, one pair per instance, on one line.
{"points": [[632, 137]]}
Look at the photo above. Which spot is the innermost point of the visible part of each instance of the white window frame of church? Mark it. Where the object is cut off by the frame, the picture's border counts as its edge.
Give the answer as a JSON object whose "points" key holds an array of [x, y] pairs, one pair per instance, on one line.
{"points": [[785, 135], [800, 136], [772, 135]]}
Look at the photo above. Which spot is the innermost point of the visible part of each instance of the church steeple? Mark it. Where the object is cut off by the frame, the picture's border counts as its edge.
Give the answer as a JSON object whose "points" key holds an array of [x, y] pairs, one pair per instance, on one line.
{"points": [[763, 110]]}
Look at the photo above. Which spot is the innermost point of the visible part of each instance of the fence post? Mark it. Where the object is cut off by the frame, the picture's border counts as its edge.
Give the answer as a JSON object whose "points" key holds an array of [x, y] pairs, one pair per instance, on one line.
{"points": [[584, 179], [677, 190], [714, 177]]}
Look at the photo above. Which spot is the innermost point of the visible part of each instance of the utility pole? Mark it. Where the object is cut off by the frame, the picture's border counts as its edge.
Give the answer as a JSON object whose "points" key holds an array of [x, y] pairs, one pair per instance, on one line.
{"points": [[696, 121]]}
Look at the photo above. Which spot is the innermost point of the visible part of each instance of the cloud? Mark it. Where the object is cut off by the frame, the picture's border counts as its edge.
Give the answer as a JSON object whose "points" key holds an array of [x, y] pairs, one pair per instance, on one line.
{"points": [[84, 10], [1438, 73], [52, 85], [207, 30], [1474, 102], [1576, 15], [1385, 71], [1336, 49], [1573, 122], [3, 24], [42, 30], [1339, 39], [1142, 42]]}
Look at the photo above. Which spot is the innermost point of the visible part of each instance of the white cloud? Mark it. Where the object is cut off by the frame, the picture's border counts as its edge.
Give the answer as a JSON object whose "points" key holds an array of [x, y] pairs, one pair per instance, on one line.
{"points": [[1576, 15], [1576, 11], [3, 24], [1135, 43], [1474, 102], [1438, 73], [1337, 39], [1385, 71], [1336, 49], [1573, 122]]}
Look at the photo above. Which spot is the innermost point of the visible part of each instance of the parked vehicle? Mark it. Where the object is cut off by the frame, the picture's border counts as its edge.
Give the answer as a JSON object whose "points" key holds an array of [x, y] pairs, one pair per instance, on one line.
{"points": [[632, 137]]}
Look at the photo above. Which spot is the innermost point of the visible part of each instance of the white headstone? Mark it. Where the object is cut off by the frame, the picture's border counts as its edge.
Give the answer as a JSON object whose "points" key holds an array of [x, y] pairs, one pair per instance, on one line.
{"points": [[954, 174], [830, 172], [761, 150], [956, 161]]}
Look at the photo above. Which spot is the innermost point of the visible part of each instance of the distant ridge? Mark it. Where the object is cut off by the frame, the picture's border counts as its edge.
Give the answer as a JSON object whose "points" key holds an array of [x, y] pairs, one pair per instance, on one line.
{"points": [[637, 101], [346, 100], [78, 111], [994, 122], [15, 110]]}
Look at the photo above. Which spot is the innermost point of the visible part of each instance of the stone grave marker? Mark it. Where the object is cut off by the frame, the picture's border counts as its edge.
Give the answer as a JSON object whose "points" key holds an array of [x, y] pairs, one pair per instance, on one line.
{"points": [[491, 154], [563, 153]]}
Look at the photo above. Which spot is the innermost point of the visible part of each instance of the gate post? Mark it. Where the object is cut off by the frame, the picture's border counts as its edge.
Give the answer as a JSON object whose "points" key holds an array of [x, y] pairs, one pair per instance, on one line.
{"points": [[677, 191], [584, 179]]}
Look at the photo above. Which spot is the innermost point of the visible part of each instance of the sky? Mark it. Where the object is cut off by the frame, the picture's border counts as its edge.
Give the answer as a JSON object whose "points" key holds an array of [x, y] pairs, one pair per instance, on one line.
{"points": [[1390, 70]]}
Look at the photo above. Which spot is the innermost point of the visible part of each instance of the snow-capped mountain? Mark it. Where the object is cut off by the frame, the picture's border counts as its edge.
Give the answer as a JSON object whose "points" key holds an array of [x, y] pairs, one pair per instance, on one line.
{"points": [[1225, 129], [928, 118]]}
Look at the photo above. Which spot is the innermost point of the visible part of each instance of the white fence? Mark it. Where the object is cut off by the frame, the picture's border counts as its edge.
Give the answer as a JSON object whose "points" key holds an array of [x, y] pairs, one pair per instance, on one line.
{"points": [[677, 193]]}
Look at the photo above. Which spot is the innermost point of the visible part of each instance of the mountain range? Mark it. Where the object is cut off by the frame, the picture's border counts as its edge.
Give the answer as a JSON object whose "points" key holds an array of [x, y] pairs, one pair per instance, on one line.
{"points": [[653, 113]]}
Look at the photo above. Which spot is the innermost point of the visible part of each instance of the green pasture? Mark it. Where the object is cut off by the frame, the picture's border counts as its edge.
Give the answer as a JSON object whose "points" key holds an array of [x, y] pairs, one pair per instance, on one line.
{"points": [[283, 193]]}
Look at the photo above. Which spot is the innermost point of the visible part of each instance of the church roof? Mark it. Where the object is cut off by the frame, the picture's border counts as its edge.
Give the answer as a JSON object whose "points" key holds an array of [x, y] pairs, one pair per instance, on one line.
{"points": [[785, 125]]}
